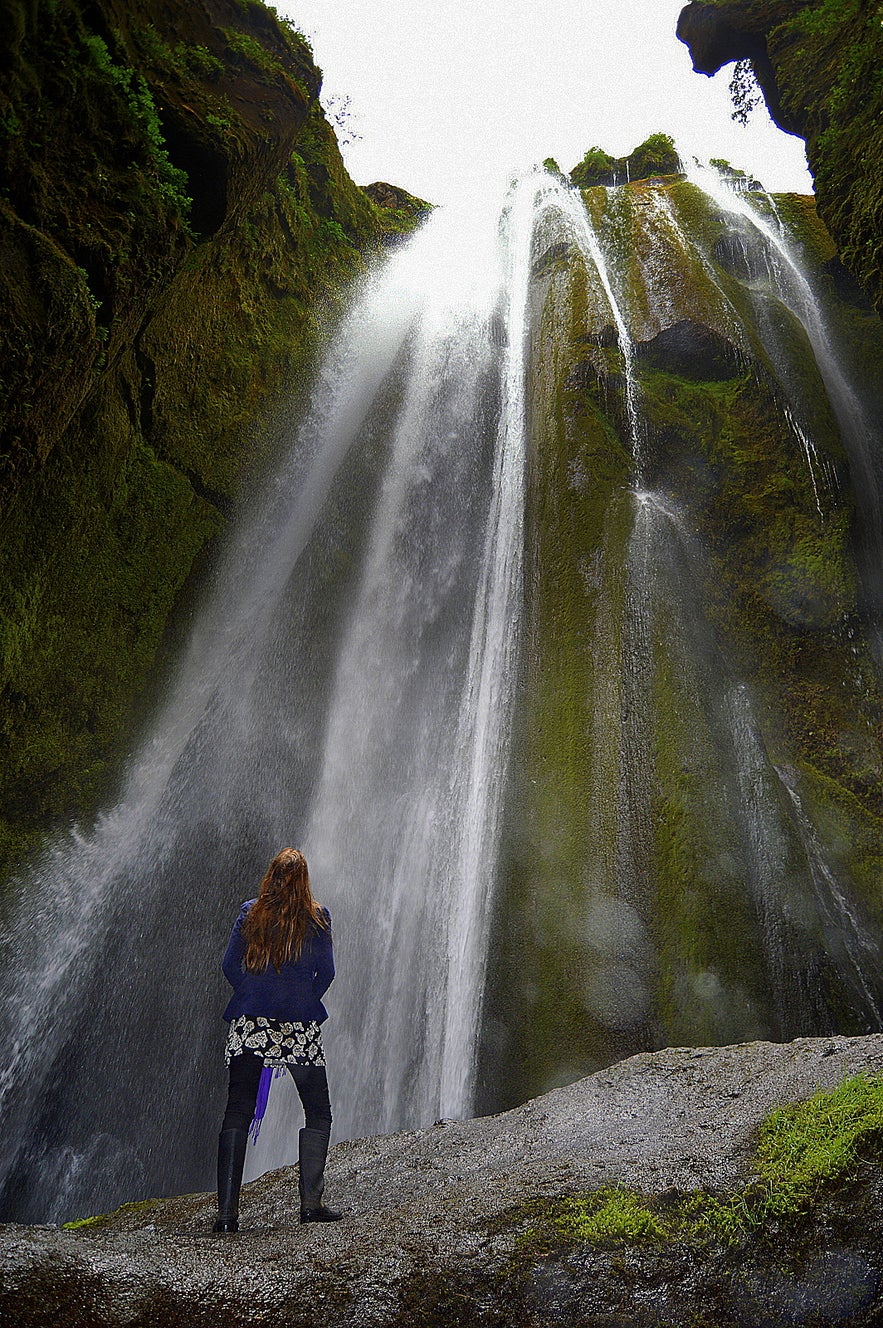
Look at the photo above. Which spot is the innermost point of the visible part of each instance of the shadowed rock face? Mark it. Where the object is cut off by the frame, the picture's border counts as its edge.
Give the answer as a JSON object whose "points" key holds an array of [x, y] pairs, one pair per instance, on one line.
{"points": [[691, 350], [438, 1221], [714, 42], [394, 197]]}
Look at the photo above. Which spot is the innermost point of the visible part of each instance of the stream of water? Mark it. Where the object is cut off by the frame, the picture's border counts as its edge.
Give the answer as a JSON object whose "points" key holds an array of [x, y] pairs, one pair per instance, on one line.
{"points": [[348, 687]]}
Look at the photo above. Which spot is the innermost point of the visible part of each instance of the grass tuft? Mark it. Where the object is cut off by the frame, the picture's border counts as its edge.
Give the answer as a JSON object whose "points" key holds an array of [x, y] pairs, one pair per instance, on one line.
{"points": [[611, 1213], [802, 1152]]}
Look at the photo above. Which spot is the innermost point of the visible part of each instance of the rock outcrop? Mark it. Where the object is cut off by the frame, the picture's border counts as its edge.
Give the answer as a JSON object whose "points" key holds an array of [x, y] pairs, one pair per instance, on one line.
{"points": [[451, 1225], [817, 65], [656, 156]]}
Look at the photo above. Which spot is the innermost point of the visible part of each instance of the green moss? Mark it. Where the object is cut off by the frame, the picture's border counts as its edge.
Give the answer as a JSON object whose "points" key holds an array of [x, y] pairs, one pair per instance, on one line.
{"points": [[711, 983], [253, 51], [804, 1152], [784, 582], [805, 1147], [397, 211], [655, 156], [609, 1214], [171, 181], [143, 367], [138, 1209], [97, 617], [182, 58], [83, 1222], [594, 168], [739, 178], [555, 857], [852, 834]]}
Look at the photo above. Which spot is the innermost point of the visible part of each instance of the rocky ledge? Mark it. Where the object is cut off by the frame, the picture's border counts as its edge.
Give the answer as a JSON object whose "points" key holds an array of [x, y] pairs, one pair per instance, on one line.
{"points": [[455, 1224]]}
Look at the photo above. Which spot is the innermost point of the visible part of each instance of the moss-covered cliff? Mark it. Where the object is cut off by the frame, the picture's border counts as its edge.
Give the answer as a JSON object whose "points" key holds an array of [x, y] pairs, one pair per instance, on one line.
{"points": [[701, 771], [177, 225], [820, 66]]}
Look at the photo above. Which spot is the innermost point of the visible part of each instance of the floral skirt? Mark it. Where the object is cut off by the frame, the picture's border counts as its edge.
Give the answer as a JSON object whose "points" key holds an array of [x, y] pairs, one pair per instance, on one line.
{"points": [[277, 1042]]}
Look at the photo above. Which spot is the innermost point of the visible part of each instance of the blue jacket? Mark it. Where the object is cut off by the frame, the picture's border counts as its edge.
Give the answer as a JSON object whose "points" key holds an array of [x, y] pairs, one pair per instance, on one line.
{"points": [[295, 992]]}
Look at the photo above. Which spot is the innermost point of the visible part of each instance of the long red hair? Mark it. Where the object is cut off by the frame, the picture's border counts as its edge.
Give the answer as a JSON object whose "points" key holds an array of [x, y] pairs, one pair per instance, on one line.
{"points": [[277, 923]]}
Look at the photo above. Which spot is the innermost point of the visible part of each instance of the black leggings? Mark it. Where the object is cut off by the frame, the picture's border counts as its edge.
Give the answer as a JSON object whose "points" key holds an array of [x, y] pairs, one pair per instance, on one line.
{"points": [[245, 1075]]}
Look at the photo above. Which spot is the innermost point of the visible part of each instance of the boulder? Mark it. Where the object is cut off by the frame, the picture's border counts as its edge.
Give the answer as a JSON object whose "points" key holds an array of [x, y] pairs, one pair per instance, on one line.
{"points": [[441, 1223]]}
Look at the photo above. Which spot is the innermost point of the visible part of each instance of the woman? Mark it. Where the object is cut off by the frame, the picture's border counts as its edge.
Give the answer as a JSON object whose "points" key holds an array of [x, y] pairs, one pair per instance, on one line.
{"points": [[280, 963]]}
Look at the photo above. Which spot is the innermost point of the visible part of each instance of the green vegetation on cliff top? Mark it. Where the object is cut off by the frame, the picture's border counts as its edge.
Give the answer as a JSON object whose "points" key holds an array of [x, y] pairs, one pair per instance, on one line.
{"points": [[657, 155]]}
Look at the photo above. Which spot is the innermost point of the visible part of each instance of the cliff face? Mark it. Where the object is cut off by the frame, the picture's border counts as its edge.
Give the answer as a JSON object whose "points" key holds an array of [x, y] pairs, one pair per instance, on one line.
{"points": [[818, 65], [699, 757], [176, 224]]}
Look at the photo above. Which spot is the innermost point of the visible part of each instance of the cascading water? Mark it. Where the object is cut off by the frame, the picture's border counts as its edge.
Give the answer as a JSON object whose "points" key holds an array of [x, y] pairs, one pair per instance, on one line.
{"points": [[768, 243], [350, 687], [415, 805], [472, 650]]}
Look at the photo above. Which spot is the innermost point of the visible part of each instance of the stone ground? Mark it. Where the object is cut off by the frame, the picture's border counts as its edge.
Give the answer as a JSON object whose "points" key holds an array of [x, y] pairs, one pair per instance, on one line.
{"points": [[434, 1217]]}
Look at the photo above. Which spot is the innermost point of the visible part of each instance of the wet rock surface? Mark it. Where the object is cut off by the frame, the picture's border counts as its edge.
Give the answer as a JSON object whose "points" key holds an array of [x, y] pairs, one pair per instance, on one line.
{"points": [[436, 1220]]}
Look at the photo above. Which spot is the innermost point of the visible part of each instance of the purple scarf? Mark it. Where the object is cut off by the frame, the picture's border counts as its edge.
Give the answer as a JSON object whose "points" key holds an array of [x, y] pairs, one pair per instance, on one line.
{"points": [[263, 1096]]}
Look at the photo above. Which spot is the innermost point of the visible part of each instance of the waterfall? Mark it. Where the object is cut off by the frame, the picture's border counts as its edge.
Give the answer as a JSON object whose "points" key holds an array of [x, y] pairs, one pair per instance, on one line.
{"points": [[589, 237], [414, 807], [349, 686], [468, 647]]}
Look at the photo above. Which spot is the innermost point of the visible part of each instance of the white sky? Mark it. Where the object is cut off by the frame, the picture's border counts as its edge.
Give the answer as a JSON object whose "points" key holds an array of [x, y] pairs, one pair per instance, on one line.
{"points": [[450, 96]]}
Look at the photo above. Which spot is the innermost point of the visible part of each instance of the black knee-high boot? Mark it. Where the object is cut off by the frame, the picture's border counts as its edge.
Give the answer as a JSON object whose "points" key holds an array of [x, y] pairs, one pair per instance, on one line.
{"points": [[312, 1152], [231, 1160]]}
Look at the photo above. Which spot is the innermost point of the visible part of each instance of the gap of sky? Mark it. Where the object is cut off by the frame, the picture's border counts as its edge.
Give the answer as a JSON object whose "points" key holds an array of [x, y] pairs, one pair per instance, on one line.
{"points": [[450, 97]]}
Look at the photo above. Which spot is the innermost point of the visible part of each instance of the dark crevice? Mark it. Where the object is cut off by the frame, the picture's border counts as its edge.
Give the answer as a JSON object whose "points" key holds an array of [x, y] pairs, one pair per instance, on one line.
{"points": [[147, 391], [225, 505], [99, 282], [846, 286], [206, 168]]}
